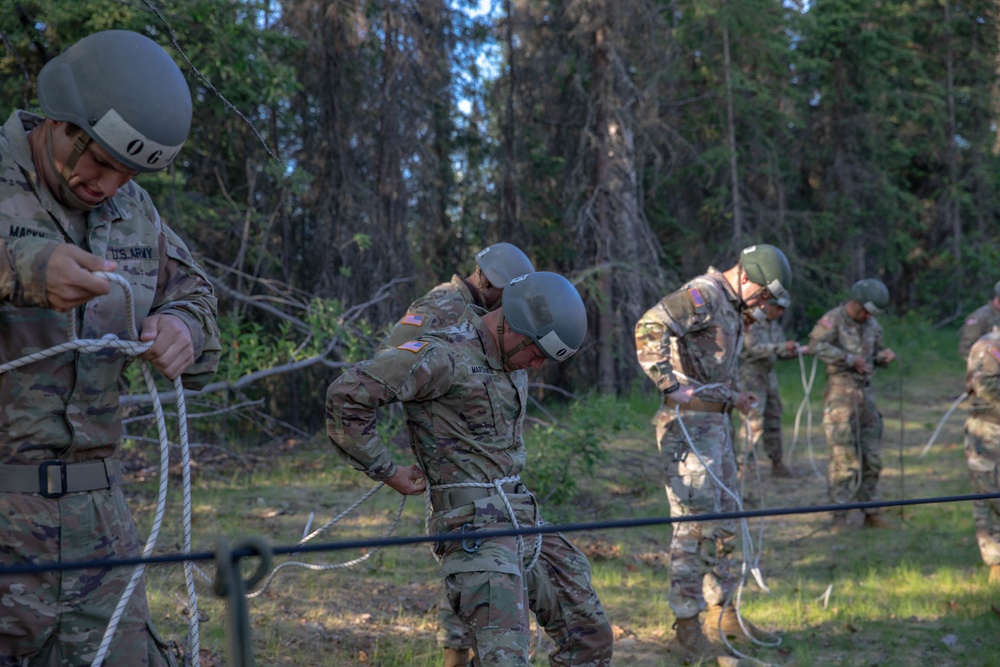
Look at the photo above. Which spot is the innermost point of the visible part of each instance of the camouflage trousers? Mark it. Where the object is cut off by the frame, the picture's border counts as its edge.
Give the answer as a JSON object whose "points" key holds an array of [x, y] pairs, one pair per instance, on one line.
{"points": [[853, 427], [700, 552], [982, 454], [763, 421], [58, 619], [494, 607]]}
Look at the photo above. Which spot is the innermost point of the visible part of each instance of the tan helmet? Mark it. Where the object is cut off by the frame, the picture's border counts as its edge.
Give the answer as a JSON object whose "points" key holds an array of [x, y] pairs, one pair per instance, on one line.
{"points": [[125, 92]]}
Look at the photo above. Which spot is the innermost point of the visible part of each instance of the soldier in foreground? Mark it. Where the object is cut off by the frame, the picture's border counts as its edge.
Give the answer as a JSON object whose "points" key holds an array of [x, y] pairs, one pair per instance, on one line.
{"points": [[848, 339], [689, 342], [443, 306], [464, 390], [982, 445], [979, 323]]}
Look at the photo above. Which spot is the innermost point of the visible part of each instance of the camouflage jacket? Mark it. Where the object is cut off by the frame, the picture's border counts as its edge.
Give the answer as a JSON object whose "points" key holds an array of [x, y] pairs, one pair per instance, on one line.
{"points": [[982, 380], [696, 332], [837, 340], [763, 345], [67, 405], [439, 308], [979, 322], [464, 412]]}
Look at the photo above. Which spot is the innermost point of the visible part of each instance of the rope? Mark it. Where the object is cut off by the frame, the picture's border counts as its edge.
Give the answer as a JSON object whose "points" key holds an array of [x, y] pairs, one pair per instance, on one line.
{"points": [[806, 406], [941, 423], [132, 347]]}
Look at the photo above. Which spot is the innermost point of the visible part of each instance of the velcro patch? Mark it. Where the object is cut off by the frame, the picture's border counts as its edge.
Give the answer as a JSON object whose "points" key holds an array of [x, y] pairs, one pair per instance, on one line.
{"points": [[413, 319], [413, 346], [699, 300], [825, 321], [969, 322], [995, 352]]}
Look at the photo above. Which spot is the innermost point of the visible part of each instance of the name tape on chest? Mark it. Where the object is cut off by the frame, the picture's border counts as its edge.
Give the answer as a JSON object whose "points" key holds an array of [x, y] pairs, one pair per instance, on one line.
{"points": [[412, 346], [695, 294], [413, 319]]}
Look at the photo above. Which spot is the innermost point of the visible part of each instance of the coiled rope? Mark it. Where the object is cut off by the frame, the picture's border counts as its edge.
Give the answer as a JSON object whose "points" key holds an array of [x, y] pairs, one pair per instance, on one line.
{"points": [[132, 347]]}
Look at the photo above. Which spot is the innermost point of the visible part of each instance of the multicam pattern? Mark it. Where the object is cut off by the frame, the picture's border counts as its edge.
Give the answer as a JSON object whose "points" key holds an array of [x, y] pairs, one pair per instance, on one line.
{"points": [[439, 308], [696, 332], [979, 322], [982, 441], [67, 407], [465, 417], [763, 345], [851, 419]]}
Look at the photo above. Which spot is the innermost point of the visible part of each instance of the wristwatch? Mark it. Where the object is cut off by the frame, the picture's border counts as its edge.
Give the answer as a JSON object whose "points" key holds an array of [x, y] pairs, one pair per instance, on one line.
{"points": [[672, 388]]}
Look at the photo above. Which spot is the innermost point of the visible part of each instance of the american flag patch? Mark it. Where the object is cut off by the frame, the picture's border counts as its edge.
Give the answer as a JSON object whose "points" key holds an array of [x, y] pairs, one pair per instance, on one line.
{"points": [[699, 300], [825, 321], [412, 346], [995, 352], [413, 319], [969, 322]]}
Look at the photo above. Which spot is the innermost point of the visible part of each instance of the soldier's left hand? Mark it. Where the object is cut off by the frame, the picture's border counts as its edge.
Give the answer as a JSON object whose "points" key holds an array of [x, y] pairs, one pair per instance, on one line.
{"points": [[886, 356], [172, 350], [745, 401]]}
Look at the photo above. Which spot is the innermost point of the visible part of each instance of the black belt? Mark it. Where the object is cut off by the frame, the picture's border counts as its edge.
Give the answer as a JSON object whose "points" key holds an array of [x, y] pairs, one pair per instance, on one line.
{"points": [[55, 478], [442, 501]]}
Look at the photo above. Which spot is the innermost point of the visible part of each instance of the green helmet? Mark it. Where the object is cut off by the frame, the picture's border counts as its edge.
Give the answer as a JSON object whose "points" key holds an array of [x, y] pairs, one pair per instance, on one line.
{"points": [[872, 294], [546, 308], [502, 262], [123, 90], [767, 266]]}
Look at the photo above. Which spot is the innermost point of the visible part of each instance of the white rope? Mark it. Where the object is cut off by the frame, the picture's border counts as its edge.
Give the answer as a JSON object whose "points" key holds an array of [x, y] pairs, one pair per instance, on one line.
{"points": [[806, 406], [941, 423], [132, 347]]}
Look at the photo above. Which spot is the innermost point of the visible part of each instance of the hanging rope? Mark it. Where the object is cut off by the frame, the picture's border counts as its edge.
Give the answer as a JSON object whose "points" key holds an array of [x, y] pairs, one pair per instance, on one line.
{"points": [[805, 406], [941, 423]]}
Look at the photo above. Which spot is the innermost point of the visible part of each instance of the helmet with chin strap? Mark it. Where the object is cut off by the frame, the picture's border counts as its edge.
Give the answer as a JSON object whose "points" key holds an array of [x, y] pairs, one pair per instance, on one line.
{"points": [[768, 267], [502, 262], [546, 308], [125, 92], [872, 294]]}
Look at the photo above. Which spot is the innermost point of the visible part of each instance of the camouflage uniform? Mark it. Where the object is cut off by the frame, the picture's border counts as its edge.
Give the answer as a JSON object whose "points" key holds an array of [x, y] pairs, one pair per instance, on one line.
{"points": [[982, 441], [66, 407], [465, 416], [851, 420], [979, 322], [696, 332], [763, 345], [439, 308]]}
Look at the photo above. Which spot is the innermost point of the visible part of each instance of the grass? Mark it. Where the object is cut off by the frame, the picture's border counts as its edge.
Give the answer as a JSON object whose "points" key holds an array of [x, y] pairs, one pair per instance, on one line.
{"points": [[913, 595]]}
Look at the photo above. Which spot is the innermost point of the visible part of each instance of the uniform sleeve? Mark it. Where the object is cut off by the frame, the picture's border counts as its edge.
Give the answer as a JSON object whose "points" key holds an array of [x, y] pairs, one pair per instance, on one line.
{"points": [[652, 346], [183, 289], [879, 347], [780, 343], [823, 341], [23, 268], [755, 346], [410, 327], [352, 401], [973, 329], [983, 377]]}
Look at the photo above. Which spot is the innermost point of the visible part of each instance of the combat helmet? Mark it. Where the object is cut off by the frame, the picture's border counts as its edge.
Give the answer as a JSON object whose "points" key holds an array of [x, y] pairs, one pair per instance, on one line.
{"points": [[546, 308], [766, 265], [125, 92], [872, 294], [502, 262]]}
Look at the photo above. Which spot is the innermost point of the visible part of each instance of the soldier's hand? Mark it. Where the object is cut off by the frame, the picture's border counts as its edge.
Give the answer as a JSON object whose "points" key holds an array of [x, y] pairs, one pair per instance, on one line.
{"points": [[172, 350], [861, 365], [70, 279], [886, 356], [682, 394], [791, 346], [745, 401], [408, 480]]}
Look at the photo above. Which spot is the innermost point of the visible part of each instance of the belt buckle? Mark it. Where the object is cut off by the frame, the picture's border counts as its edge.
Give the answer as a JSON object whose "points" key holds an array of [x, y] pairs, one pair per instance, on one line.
{"points": [[45, 478]]}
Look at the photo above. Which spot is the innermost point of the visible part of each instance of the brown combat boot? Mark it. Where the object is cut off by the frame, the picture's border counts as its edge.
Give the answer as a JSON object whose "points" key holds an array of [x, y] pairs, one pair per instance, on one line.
{"points": [[876, 521], [839, 524], [778, 469], [721, 621], [457, 657], [994, 574], [689, 644]]}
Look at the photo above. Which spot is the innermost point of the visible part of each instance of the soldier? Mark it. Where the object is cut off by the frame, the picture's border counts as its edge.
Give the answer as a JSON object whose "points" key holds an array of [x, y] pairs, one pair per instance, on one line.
{"points": [[982, 444], [464, 390], [115, 105], [981, 321], [496, 266], [763, 345], [689, 343], [848, 339]]}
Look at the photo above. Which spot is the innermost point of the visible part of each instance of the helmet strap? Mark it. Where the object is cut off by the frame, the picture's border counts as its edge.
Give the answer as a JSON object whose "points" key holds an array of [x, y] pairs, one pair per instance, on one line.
{"points": [[504, 355], [64, 194]]}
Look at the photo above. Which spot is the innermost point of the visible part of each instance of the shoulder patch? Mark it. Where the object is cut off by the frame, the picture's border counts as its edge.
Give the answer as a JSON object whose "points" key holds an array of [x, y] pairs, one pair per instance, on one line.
{"points": [[995, 352], [969, 322], [412, 345], [699, 300], [825, 321], [413, 319]]}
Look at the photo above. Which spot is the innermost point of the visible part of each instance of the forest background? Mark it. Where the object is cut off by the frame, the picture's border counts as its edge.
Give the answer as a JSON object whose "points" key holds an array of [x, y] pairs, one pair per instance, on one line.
{"points": [[346, 156]]}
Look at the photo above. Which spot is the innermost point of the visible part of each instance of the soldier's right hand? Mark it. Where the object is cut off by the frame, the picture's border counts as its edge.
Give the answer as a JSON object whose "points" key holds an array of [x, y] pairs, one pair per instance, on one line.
{"points": [[70, 279], [408, 480], [861, 365]]}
